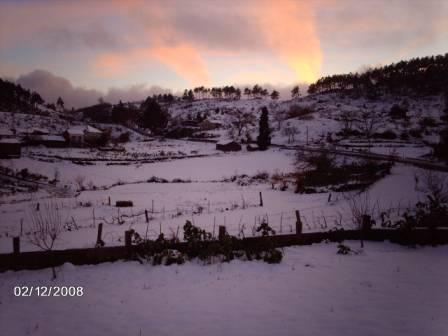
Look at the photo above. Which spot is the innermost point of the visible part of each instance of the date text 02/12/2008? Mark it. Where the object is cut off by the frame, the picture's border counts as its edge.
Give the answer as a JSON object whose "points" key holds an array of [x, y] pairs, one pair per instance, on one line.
{"points": [[49, 291]]}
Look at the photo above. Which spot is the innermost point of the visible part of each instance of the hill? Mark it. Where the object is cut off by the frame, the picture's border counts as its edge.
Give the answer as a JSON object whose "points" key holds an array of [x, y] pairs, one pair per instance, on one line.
{"points": [[422, 76]]}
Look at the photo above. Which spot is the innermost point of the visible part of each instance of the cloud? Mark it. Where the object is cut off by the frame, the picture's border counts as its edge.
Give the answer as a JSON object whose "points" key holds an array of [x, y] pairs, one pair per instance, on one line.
{"points": [[377, 29], [50, 87], [185, 60], [112, 37], [290, 29], [181, 36]]}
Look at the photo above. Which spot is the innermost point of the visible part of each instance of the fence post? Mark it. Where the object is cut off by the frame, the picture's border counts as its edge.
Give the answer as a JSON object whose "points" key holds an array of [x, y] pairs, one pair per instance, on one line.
{"points": [[298, 223], [128, 238], [366, 224], [261, 199], [109, 200], [99, 241], [16, 245], [222, 232], [152, 206], [146, 215]]}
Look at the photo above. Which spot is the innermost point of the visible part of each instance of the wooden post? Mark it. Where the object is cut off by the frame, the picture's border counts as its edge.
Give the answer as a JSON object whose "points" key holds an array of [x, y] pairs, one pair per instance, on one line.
{"points": [[100, 232], [261, 199], [307, 135], [152, 206], [37, 206], [109, 200], [281, 222], [128, 238], [329, 198], [222, 232], [366, 224], [298, 223], [16, 245], [21, 227], [146, 216]]}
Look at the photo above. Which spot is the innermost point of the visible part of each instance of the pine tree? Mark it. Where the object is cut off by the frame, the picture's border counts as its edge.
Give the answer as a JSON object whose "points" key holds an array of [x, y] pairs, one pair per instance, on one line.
{"points": [[264, 137], [60, 103], [154, 117], [295, 92], [275, 95]]}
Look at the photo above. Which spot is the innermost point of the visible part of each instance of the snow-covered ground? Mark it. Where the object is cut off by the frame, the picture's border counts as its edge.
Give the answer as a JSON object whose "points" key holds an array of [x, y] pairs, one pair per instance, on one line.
{"points": [[385, 290], [206, 203]]}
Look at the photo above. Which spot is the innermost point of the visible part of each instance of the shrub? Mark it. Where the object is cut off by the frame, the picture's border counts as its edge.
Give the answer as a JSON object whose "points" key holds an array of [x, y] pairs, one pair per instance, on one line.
{"points": [[398, 112], [296, 111], [428, 122], [415, 133], [124, 137], [388, 134]]}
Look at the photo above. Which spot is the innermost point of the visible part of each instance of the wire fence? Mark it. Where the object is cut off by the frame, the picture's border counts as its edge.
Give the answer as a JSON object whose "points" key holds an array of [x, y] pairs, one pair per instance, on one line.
{"points": [[241, 218]]}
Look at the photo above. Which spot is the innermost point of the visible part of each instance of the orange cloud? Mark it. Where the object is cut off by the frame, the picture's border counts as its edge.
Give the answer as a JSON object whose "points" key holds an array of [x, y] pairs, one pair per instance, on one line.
{"points": [[290, 30], [185, 60], [109, 65]]}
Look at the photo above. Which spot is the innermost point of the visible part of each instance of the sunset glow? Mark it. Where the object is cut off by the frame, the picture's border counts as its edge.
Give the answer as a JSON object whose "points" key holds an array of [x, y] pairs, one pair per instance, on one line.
{"points": [[179, 44]]}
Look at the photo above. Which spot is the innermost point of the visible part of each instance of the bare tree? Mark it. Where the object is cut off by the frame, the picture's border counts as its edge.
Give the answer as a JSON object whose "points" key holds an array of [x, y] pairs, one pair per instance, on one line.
{"points": [[347, 120], [46, 226], [79, 180], [290, 132], [433, 184], [279, 118], [241, 120], [369, 123], [360, 205]]}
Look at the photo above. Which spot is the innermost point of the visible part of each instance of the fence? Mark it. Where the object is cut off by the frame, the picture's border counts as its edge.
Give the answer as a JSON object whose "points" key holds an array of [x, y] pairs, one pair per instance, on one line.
{"points": [[38, 260]]}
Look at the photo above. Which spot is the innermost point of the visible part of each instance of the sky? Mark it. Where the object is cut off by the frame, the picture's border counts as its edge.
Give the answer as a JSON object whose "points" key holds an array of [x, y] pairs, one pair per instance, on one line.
{"points": [[85, 49]]}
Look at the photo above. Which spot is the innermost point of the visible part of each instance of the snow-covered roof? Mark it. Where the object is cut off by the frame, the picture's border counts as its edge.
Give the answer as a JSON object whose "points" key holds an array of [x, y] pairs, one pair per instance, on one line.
{"points": [[5, 132], [47, 138], [38, 130], [10, 141], [76, 130], [82, 129], [91, 129]]}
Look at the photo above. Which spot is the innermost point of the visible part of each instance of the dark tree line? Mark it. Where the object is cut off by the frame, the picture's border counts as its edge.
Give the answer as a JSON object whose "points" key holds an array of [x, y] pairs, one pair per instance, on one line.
{"points": [[426, 75], [228, 92], [15, 98]]}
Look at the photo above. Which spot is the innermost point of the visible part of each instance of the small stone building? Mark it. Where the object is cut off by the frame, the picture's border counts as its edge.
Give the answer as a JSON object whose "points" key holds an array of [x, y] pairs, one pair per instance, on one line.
{"points": [[230, 146], [10, 148], [78, 135]]}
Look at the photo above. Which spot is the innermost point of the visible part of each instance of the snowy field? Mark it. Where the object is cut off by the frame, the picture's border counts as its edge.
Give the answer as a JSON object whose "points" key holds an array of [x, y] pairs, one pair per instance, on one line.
{"points": [[206, 200], [385, 290]]}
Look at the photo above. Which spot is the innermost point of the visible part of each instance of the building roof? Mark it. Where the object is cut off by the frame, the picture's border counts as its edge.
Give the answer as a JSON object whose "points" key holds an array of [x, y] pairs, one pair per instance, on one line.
{"points": [[5, 132], [82, 129], [10, 141], [47, 138], [91, 129], [38, 130]]}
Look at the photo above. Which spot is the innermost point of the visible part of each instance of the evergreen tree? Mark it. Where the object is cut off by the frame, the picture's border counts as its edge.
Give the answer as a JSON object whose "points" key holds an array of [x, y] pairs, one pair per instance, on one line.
{"points": [[295, 92], [36, 99], [264, 136], [275, 95], [60, 103], [154, 117]]}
